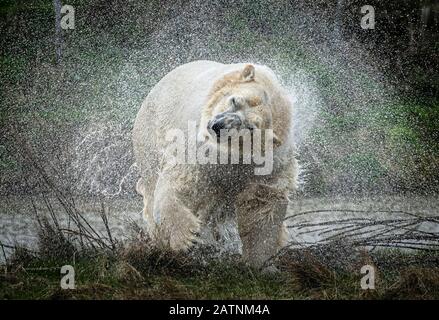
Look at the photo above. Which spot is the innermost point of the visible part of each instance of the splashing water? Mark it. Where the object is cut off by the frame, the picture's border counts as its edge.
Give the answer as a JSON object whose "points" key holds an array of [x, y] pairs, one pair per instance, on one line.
{"points": [[342, 101]]}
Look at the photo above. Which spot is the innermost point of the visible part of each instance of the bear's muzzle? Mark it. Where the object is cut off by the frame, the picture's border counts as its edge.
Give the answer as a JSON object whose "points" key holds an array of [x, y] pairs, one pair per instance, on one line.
{"points": [[225, 121]]}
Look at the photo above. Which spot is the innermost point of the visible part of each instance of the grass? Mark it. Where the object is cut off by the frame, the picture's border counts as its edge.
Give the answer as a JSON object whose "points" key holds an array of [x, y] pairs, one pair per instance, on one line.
{"points": [[141, 271]]}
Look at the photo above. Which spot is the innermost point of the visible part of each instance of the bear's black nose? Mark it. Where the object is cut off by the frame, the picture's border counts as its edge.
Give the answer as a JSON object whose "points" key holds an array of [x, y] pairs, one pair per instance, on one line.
{"points": [[226, 121], [217, 126]]}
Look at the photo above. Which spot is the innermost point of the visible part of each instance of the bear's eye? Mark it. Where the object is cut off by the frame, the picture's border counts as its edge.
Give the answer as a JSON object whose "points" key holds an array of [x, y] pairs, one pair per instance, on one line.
{"points": [[236, 103]]}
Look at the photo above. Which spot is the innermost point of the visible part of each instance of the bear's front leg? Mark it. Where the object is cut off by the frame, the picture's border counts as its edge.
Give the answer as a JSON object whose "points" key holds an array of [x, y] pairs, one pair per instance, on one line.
{"points": [[261, 210], [175, 225]]}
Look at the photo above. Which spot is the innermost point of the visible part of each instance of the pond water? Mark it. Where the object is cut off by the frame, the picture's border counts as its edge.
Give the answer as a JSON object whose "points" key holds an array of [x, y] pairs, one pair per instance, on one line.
{"points": [[392, 220]]}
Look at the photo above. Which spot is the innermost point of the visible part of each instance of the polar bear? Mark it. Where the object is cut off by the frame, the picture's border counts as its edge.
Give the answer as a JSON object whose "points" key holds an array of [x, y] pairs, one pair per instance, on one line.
{"points": [[179, 198]]}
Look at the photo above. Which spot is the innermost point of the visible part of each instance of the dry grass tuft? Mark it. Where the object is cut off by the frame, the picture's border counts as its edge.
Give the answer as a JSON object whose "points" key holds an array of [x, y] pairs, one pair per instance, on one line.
{"points": [[416, 283], [307, 273], [53, 243], [148, 259]]}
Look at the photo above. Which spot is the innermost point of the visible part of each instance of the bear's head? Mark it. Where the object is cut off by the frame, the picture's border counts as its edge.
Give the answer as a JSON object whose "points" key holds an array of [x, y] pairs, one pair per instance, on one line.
{"points": [[239, 103]]}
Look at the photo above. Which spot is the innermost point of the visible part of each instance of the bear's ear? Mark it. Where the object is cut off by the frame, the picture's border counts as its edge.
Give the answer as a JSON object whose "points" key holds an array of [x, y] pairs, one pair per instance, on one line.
{"points": [[248, 74]]}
